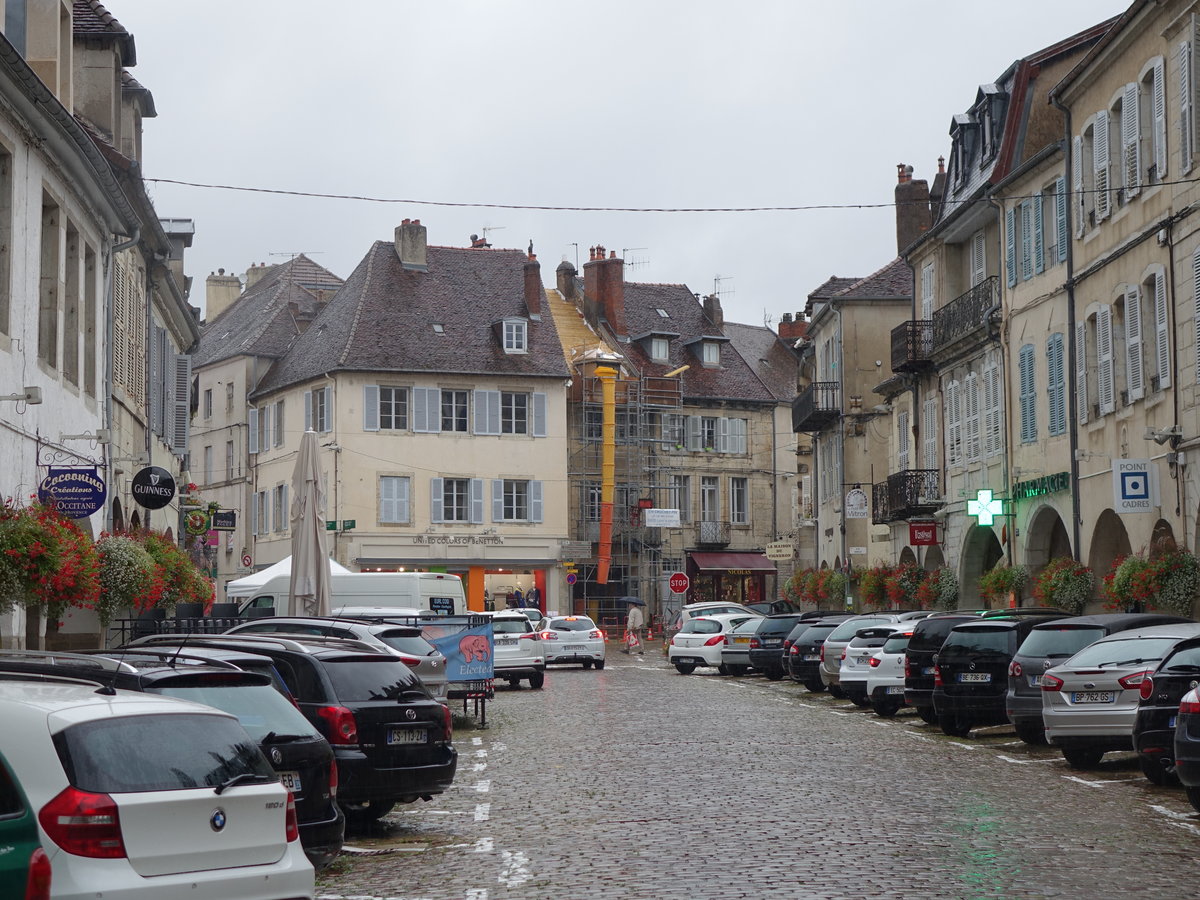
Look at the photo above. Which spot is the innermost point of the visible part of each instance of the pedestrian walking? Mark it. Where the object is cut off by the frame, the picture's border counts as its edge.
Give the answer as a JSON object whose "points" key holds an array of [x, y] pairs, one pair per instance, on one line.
{"points": [[634, 622]]}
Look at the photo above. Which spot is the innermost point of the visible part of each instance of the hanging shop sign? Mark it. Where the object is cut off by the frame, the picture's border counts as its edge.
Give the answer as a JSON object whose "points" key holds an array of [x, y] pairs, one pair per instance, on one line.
{"points": [[986, 507], [856, 504], [224, 520], [153, 487], [195, 522], [75, 492], [1135, 486], [661, 518], [779, 550], [922, 534]]}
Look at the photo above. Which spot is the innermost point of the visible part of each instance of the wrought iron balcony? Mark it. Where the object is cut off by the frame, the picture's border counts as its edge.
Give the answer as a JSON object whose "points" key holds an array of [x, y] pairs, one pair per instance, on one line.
{"points": [[912, 492], [964, 316], [880, 513], [817, 405], [712, 534], [912, 346]]}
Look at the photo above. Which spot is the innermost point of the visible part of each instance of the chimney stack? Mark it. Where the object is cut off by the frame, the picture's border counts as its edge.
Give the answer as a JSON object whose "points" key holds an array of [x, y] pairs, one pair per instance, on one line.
{"points": [[712, 309], [792, 328], [913, 213], [604, 288], [564, 280], [254, 273], [411, 246], [220, 291], [533, 287]]}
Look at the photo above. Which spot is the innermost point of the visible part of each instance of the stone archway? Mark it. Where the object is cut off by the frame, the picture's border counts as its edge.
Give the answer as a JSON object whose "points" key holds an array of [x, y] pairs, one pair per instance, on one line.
{"points": [[907, 557], [1110, 541], [1162, 539], [934, 558], [1046, 539], [981, 552], [135, 521]]}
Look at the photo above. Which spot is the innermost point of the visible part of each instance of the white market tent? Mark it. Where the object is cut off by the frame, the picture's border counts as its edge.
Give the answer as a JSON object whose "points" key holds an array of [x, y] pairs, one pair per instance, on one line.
{"points": [[244, 587]]}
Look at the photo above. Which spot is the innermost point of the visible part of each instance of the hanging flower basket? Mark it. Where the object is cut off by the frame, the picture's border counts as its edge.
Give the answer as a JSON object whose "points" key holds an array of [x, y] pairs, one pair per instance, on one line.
{"points": [[1066, 584], [938, 590], [128, 578], [1000, 583], [872, 587], [902, 584], [1170, 582]]}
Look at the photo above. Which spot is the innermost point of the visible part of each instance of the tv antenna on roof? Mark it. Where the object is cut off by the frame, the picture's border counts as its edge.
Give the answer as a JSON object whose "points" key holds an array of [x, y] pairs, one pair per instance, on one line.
{"points": [[632, 260], [490, 228], [294, 253], [720, 292]]}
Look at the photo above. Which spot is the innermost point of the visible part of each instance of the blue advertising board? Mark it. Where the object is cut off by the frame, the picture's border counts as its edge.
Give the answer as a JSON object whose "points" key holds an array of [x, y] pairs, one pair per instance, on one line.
{"points": [[76, 492], [467, 643]]}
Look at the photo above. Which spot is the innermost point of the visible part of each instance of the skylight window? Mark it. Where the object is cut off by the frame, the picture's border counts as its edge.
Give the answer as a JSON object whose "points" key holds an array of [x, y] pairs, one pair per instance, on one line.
{"points": [[662, 312], [438, 328]]}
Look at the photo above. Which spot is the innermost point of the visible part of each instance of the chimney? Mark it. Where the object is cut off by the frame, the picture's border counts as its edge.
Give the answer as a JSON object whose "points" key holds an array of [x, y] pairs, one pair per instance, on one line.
{"points": [[220, 290], [913, 213], [564, 280], [712, 309], [604, 288], [410, 245], [792, 328], [254, 273], [533, 287]]}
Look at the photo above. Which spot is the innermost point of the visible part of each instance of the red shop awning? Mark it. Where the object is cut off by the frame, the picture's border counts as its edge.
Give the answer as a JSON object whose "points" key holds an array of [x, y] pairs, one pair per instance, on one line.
{"points": [[737, 562]]}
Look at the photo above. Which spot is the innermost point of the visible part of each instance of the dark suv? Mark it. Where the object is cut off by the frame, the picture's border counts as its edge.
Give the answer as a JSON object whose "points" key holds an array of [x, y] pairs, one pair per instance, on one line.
{"points": [[391, 739], [803, 661], [1158, 708], [1048, 645], [971, 671], [766, 645], [240, 683], [927, 637]]}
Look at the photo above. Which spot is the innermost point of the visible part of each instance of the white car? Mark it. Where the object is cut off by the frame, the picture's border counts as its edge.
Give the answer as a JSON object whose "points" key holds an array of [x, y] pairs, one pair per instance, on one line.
{"points": [[142, 797], [572, 639], [518, 649], [856, 656], [885, 676], [702, 639], [707, 608]]}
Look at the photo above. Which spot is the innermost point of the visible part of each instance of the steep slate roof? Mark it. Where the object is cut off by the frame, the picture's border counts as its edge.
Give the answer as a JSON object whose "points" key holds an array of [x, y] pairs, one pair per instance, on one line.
{"points": [[90, 18], [260, 321], [381, 320], [831, 286], [734, 379], [772, 360], [893, 282]]}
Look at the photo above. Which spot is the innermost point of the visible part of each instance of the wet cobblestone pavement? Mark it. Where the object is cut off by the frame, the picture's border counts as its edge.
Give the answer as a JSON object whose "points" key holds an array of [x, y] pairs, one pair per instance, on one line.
{"points": [[637, 782]]}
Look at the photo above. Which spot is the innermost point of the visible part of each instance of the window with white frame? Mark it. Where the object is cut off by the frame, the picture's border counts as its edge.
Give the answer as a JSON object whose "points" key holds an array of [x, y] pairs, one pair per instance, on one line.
{"points": [[708, 432], [514, 413], [927, 291], [679, 491], [739, 505], [516, 500], [208, 465], [208, 403], [507, 412], [591, 501], [710, 498], [393, 408], [451, 499], [279, 505], [277, 406], [1056, 377], [710, 353], [515, 335], [454, 410], [394, 499], [1027, 379], [318, 410], [660, 348]]}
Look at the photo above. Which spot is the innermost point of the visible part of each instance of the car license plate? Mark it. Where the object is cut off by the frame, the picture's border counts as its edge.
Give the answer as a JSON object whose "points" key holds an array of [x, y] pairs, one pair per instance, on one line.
{"points": [[291, 781], [895, 689], [1093, 697], [974, 677], [741, 640], [1035, 680], [812, 657], [406, 735], [574, 647], [772, 642], [506, 642], [928, 670], [1171, 722]]}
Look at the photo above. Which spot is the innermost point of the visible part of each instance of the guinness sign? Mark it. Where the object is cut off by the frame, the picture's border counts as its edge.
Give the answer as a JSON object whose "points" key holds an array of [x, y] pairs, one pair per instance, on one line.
{"points": [[153, 487]]}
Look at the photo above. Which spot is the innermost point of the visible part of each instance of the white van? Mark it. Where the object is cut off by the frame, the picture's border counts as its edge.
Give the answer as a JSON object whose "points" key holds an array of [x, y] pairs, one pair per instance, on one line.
{"points": [[405, 592]]}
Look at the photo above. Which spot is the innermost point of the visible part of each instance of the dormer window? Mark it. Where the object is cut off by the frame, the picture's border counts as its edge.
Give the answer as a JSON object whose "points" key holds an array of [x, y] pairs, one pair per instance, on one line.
{"points": [[710, 353], [516, 336], [660, 349]]}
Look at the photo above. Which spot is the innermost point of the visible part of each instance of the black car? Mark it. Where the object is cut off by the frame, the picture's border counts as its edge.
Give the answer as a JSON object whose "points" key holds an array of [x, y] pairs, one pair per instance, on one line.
{"points": [[803, 660], [1187, 746], [766, 644], [1048, 645], [927, 637], [391, 739], [241, 683], [971, 670], [1158, 707]]}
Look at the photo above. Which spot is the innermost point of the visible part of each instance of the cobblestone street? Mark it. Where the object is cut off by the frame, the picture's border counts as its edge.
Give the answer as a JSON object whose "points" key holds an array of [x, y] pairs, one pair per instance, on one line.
{"points": [[636, 782]]}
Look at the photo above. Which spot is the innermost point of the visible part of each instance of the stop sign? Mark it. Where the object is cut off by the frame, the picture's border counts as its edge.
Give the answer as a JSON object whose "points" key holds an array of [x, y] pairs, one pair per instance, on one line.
{"points": [[679, 583]]}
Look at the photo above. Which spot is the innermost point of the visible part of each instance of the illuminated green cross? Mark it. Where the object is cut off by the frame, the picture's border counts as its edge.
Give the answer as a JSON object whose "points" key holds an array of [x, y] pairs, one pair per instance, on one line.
{"points": [[984, 508]]}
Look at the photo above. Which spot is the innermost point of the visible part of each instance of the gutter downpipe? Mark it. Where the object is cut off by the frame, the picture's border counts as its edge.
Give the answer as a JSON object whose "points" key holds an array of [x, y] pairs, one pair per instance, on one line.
{"points": [[1180, 485], [1005, 410], [841, 485], [110, 263], [1072, 409]]}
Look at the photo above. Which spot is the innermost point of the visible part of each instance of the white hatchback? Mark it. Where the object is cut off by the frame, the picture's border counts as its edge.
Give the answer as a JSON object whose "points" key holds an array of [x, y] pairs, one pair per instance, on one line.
{"points": [[885, 680], [701, 639], [572, 639], [518, 650], [142, 797]]}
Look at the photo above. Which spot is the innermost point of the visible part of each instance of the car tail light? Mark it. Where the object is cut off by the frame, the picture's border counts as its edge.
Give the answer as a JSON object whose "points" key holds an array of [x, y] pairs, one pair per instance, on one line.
{"points": [[448, 721], [755, 643], [875, 661], [409, 660], [37, 886], [546, 636], [291, 825], [714, 640], [342, 727], [532, 635], [907, 668], [84, 824], [1051, 683], [786, 644], [1190, 707], [333, 779], [795, 651], [937, 677], [1136, 679], [1146, 688], [596, 635], [1014, 669], [843, 656]]}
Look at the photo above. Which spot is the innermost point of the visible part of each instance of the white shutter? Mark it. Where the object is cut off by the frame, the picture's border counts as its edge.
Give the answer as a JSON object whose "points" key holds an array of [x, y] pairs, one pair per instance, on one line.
{"points": [[902, 433], [264, 428], [1010, 244], [181, 405], [953, 425], [1100, 164], [737, 435], [497, 500], [1060, 218], [1134, 379], [156, 382], [370, 407], [253, 430], [971, 385], [1081, 390], [436, 489], [1186, 133], [426, 415], [476, 501], [978, 258], [929, 438], [387, 499], [535, 501], [694, 437], [927, 292], [1104, 360], [1162, 334], [1160, 120], [539, 415], [1077, 184], [279, 423], [722, 435], [308, 411], [1131, 140], [327, 420], [1039, 235], [487, 412]]}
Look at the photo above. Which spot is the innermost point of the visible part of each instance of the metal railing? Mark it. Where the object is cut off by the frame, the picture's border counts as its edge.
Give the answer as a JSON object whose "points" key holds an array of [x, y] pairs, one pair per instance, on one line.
{"points": [[964, 315], [912, 492], [912, 345], [816, 406], [712, 534]]}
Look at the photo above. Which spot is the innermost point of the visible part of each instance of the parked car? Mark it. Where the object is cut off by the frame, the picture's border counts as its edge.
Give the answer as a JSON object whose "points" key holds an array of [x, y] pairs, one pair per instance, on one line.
{"points": [[517, 651], [406, 641], [836, 641], [572, 639], [927, 638], [1159, 699], [143, 797], [735, 652], [1090, 701], [24, 865], [1187, 746], [767, 643], [971, 671], [804, 656], [391, 740], [885, 677], [701, 640], [706, 608], [1051, 643], [856, 660]]}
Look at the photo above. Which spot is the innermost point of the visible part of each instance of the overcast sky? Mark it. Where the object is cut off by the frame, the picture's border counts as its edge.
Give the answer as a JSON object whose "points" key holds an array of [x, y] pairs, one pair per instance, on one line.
{"points": [[557, 103]]}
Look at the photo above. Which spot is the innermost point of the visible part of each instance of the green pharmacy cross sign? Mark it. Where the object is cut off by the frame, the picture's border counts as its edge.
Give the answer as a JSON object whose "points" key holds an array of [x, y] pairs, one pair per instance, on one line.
{"points": [[984, 507]]}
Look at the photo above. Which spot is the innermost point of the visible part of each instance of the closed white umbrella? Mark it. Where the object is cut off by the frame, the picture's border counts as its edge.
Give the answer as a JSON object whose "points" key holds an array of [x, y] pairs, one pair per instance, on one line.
{"points": [[310, 558]]}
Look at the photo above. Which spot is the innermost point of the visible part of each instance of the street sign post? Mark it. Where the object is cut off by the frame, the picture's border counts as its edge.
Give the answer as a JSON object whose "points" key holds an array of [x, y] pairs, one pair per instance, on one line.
{"points": [[679, 583]]}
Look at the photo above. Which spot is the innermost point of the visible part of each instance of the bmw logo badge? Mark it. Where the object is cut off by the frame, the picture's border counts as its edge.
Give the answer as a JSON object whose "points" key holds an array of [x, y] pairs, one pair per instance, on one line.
{"points": [[276, 756], [217, 820]]}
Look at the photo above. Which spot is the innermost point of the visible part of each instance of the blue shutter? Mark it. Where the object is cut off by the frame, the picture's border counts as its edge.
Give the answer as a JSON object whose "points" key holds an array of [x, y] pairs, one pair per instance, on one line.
{"points": [[1028, 397], [476, 501], [535, 501], [539, 415], [1060, 217], [308, 411], [1010, 243], [253, 429], [1026, 240], [487, 412], [1039, 235], [435, 500], [497, 500], [1057, 387], [370, 407]]}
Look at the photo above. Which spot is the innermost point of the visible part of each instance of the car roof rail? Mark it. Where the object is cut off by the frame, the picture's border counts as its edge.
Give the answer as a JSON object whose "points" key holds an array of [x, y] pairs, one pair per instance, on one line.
{"points": [[168, 655], [52, 678], [299, 643], [99, 662]]}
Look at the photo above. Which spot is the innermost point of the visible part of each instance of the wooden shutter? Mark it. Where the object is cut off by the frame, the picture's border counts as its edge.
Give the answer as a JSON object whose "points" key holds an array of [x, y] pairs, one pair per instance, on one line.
{"points": [[1026, 240], [254, 514], [1100, 160], [1057, 386], [974, 419], [953, 425], [929, 434], [1039, 235], [1010, 244], [426, 415], [1186, 133], [475, 501], [387, 499], [181, 405], [535, 501], [1134, 379], [436, 490], [902, 433], [327, 419], [1104, 360], [978, 258], [1162, 333], [253, 430], [1028, 402], [1081, 390], [722, 435], [279, 423], [993, 410], [1131, 140], [927, 292], [1077, 184], [497, 499], [487, 412], [1159, 101], [1060, 218], [695, 438], [370, 407], [156, 382]]}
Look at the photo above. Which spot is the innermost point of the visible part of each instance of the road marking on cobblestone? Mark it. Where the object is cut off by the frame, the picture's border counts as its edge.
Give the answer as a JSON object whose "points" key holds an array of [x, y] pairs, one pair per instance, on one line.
{"points": [[476, 742], [499, 748], [482, 811], [482, 786], [481, 754], [483, 845], [920, 737], [516, 868], [1098, 784], [1022, 762], [478, 767], [880, 724], [964, 746], [834, 712], [476, 894]]}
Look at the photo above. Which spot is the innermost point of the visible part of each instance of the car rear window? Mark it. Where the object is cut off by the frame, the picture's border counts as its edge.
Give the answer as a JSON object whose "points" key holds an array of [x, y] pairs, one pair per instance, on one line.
{"points": [[979, 640], [815, 633], [511, 626], [896, 643], [260, 708], [846, 629], [875, 640], [129, 754], [407, 643], [714, 611], [575, 623], [777, 624], [359, 679], [700, 626], [1130, 651], [1185, 659], [1059, 641], [930, 633]]}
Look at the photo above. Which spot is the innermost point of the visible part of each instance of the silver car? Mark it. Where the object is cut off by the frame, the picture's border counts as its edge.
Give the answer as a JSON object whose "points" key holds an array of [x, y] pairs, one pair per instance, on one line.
{"points": [[1089, 702], [735, 654], [835, 643], [405, 641]]}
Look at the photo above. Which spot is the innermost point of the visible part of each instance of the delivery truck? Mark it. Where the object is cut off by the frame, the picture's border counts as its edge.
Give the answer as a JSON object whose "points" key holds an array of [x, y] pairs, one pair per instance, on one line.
{"points": [[350, 593]]}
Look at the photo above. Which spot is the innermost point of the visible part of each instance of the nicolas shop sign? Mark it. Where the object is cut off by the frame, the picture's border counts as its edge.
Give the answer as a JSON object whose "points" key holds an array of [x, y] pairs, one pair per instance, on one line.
{"points": [[153, 487]]}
